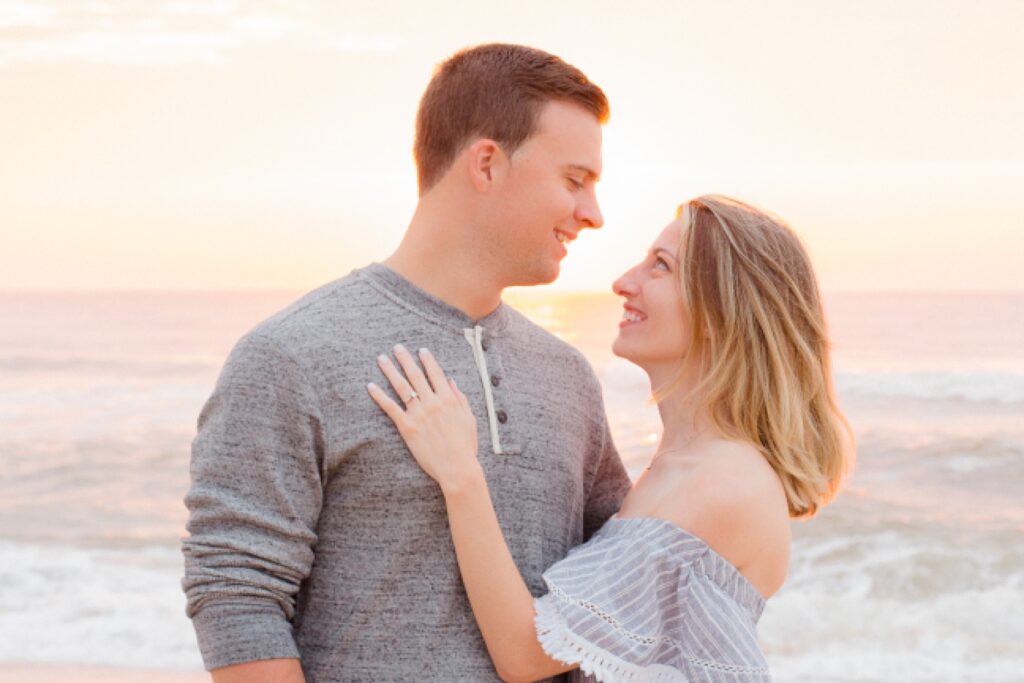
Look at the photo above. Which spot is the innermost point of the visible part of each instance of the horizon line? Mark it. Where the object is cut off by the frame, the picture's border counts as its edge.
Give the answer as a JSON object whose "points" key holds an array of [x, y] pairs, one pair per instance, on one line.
{"points": [[519, 289]]}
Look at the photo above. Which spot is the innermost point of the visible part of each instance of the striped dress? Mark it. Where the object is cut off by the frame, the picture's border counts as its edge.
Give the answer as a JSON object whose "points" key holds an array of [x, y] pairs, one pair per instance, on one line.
{"points": [[644, 600]]}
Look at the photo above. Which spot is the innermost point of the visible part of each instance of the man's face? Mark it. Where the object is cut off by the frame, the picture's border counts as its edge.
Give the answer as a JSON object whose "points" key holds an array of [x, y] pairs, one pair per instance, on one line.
{"points": [[548, 194]]}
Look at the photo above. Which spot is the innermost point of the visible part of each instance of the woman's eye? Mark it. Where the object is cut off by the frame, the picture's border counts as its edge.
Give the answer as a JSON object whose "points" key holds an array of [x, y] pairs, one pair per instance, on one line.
{"points": [[661, 264], [578, 184]]}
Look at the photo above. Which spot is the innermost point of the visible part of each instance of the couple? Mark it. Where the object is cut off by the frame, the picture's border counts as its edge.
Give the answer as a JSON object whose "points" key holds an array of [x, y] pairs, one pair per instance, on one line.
{"points": [[511, 544]]}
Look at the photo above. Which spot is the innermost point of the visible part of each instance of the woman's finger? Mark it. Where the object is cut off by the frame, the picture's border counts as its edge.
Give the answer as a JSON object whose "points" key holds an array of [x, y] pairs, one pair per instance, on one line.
{"points": [[458, 394], [397, 379], [390, 408], [413, 372], [434, 372]]}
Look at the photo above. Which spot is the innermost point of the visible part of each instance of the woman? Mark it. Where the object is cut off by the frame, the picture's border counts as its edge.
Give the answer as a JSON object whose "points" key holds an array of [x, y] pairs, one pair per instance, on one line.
{"points": [[724, 316]]}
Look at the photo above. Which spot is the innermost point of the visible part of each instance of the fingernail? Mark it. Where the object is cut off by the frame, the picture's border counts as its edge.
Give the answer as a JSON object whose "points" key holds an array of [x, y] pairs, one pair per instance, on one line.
{"points": [[400, 349], [382, 359], [424, 352], [371, 386]]}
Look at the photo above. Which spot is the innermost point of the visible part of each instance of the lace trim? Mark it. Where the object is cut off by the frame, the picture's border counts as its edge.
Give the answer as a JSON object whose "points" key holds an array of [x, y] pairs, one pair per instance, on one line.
{"points": [[557, 634], [612, 621], [560, 643]]}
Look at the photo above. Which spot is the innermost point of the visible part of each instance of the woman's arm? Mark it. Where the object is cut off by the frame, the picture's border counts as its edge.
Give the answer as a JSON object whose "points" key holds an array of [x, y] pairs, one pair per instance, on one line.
{"points": [[501, 602], [440, 430]]}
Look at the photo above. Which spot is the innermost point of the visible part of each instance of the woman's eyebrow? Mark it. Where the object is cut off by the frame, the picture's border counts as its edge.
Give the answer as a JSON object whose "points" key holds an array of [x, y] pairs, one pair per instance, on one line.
{"points": [[666, 252]]}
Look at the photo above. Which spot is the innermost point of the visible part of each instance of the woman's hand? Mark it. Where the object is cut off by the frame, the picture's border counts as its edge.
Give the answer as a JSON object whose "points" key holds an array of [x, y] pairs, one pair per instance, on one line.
{"points": [[439, 427], [437, 423]]}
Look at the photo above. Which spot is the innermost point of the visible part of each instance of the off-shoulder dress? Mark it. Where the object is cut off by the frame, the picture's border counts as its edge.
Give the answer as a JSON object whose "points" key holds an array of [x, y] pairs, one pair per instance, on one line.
{"points": [[644, 600]]}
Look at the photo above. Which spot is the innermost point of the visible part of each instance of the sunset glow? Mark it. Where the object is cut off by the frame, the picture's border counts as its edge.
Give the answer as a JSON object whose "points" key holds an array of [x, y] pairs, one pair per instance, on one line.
{"points": [[232, 145]]}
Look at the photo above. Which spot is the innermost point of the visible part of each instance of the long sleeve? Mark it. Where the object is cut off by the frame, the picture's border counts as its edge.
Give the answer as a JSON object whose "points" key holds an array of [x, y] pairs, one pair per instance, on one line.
{"points": [[254, 503]]}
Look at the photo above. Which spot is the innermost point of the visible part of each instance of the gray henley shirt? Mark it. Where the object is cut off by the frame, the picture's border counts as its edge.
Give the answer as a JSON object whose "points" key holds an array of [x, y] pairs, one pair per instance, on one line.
{"points": [[314, 533]]}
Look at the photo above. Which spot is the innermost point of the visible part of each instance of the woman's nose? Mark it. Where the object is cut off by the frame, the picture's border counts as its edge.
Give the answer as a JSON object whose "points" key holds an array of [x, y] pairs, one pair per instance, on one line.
{"points": [[625, 285]]}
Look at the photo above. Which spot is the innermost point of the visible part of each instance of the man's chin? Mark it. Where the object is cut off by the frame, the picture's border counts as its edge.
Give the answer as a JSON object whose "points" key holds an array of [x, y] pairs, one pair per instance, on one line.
{"points": [[537, 277]]}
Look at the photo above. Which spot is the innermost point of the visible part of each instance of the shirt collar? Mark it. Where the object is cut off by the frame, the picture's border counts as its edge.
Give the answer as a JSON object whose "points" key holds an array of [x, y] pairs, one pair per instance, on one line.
{"points": [[405, 293]]}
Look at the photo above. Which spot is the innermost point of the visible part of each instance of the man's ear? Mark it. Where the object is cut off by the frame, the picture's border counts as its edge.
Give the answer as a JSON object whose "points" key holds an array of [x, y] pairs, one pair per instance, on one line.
{"points": [[485, 158]]}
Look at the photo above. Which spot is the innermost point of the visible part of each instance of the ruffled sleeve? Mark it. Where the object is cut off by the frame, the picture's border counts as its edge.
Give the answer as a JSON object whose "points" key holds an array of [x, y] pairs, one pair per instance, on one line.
{"points": [[644, 600]]}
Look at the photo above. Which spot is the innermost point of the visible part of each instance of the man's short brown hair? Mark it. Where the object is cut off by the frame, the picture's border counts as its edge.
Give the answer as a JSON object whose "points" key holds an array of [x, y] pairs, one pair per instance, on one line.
{"points": [[494, 91]]}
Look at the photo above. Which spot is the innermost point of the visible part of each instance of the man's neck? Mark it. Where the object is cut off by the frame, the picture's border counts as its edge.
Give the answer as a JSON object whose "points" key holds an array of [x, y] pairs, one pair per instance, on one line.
{"points": [[441, 253], [448, 278]]}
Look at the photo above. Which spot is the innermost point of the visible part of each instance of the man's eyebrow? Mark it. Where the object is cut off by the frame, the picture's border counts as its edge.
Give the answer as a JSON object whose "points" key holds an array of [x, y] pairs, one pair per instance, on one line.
{"points": [[586, 170]]}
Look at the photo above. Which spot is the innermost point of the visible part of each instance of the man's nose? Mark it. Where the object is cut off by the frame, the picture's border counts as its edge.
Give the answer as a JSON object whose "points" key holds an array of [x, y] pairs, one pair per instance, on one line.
{"points": [[588, 213]]}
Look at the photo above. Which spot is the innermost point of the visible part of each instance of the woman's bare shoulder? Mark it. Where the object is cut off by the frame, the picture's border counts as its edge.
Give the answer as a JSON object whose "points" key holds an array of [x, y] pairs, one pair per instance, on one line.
{"points": [[733, 500]]}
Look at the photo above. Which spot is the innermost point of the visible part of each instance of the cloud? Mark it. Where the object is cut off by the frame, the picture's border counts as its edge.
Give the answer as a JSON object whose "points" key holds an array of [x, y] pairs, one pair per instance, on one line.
{"points": [[263, 26], [130, 33], [180, 31], [16, 14], [371, 43], [121, 47], [204, 8]]}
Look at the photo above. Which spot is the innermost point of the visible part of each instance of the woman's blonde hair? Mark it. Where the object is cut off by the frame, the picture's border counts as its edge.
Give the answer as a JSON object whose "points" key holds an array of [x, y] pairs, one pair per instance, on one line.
{"points": [[759, 336]]}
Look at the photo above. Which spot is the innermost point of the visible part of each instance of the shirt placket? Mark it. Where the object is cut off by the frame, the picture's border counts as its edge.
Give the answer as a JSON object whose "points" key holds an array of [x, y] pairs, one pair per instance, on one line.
{"points": [[492, 377]]}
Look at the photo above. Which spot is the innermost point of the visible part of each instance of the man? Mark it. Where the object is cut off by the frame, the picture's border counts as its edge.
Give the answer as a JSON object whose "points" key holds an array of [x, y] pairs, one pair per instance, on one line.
{"points": [[319, 550]]}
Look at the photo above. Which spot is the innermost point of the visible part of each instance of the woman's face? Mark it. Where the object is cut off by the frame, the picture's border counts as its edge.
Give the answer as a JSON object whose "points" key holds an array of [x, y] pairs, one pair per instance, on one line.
{"points": [[655, 329]]}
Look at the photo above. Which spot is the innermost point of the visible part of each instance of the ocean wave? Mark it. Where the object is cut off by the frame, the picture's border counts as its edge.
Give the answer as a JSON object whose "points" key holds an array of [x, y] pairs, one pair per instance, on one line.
{"points": [[620, 377], [931, 443], [66, 604], [969, 636], [978, 386], [908, 606], [887, 607]]}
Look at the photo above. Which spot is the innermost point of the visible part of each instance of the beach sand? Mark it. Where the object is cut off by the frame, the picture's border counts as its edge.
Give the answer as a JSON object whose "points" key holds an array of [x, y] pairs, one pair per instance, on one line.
{"points": [[68, 673]]}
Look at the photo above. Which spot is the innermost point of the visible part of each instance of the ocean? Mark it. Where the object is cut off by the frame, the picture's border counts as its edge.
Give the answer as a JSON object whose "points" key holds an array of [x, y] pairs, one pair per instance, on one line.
{"points": [[914, 573]]}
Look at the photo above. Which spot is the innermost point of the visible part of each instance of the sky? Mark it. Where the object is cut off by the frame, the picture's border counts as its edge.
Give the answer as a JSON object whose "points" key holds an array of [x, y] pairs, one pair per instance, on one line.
{"points": [[267, 145]]}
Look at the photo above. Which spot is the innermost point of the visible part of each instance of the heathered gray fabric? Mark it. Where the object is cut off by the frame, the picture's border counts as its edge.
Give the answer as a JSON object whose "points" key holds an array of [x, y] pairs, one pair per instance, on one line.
{"points": [[315, 534], [646, 600]]}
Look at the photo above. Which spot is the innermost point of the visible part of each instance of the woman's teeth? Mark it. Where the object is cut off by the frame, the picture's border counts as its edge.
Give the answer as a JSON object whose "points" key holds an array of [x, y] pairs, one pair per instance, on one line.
{"points": [[630, 316]]}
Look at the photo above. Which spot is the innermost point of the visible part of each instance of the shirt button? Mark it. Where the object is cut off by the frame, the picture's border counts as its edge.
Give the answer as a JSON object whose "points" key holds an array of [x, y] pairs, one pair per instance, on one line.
{"points": [[485, 345], [502, 416], [495, 380]]}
